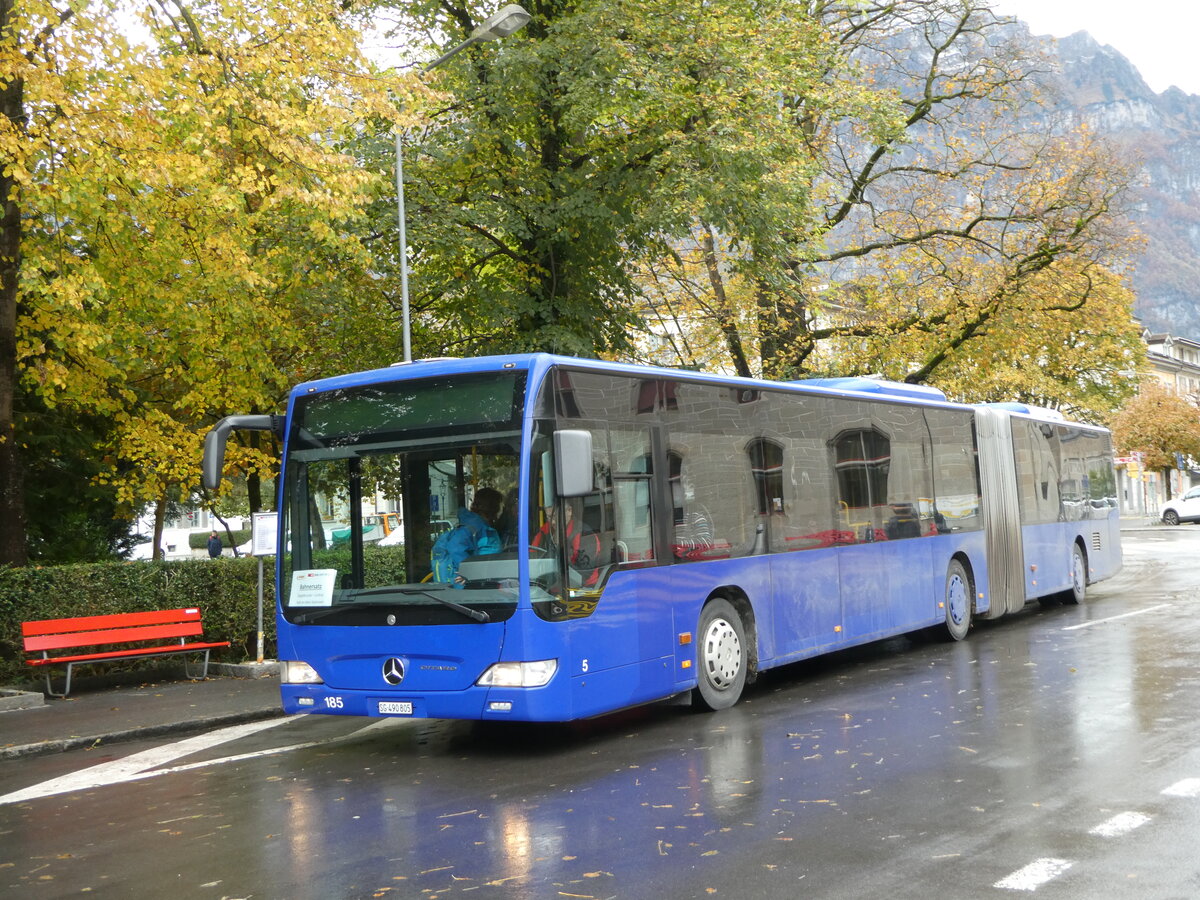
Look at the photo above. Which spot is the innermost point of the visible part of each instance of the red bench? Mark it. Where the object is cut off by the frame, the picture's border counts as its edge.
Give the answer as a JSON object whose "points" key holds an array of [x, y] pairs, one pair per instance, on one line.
{"points": [[116, 634]]}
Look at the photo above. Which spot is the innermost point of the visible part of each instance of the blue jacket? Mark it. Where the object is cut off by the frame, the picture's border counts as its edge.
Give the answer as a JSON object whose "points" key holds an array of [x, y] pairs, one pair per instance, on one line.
{"points": [[472, 537]]}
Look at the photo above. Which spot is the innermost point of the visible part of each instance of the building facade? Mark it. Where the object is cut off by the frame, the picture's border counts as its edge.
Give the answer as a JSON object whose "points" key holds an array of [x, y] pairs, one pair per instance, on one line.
{"points": [[1175, 363]]}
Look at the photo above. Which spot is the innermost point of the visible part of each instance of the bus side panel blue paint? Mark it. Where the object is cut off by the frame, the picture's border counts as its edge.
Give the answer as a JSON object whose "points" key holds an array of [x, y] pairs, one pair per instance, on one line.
{"points": [[887, 587], [631, 625], [1048, 553], [609, 689], [691, 584], [1108, 561], [615, 657], [1047, 558], [808, 604]]}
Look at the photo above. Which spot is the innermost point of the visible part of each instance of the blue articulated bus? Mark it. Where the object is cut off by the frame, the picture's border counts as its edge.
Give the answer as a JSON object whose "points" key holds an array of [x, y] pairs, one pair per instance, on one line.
{"points": [[621, 534]]}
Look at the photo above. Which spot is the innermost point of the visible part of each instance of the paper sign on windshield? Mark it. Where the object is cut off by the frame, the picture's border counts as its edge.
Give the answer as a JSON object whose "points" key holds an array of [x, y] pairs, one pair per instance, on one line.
{"points": [[312, 587]]}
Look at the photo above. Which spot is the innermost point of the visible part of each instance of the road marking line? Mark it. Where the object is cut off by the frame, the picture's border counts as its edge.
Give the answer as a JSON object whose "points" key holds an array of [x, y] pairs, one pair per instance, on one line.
{"points": [[1121, 823], [1189, 787], [1034, 875], [139, 766], [1137, 612], [271, 751], [123, 769]]}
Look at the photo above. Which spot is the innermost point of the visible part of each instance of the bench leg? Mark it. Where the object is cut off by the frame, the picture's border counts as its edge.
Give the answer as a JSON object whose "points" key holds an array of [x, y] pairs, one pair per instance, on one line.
{"points": [[203, 672], [66, 687]]}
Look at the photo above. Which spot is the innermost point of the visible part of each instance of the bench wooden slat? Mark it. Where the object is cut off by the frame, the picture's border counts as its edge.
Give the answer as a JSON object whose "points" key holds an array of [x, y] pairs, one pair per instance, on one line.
{"points": [[114, 620], [122, 654], [111, 636]]}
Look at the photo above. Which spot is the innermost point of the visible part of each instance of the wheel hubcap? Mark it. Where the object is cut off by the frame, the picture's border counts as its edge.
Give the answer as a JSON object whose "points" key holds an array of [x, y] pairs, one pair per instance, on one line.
{"points": [[722, 654], [956, 600]]}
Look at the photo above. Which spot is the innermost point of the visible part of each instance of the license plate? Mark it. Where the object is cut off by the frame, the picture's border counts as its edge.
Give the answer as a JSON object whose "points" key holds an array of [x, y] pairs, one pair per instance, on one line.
{"points": [[395, 708]]}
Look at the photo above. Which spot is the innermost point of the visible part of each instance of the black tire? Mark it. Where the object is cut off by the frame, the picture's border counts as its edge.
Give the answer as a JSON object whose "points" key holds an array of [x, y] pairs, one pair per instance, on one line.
{"points": [[1076, 593], [721, 657], [958, 602], [1171, 517]]}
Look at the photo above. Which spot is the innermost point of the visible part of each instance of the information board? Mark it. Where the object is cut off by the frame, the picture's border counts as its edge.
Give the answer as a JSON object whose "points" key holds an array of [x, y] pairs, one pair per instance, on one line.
{"points": [[263, 528]]}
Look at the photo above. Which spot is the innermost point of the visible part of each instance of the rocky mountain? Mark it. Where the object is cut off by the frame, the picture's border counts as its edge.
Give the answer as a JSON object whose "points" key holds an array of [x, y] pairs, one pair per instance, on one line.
{"points": [[1103, 89]]}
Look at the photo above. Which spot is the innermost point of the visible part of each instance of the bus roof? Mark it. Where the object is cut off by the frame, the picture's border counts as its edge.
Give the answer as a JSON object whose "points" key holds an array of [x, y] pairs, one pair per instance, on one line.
{"points": [[537, 363], [1039, 412]]}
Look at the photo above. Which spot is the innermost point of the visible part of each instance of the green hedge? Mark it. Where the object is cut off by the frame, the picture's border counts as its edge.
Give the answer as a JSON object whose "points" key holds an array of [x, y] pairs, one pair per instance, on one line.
{"points": [[198, 540], [225, 590]]}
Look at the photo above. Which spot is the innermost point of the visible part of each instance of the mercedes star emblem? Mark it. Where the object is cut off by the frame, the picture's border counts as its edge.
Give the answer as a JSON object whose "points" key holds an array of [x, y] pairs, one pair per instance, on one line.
{"points": [[393, 671]]}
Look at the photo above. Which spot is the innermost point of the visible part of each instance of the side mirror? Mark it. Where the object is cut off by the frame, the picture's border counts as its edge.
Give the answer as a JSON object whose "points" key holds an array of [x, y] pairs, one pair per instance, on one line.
{"points": [[218, 437], [573, 463]]}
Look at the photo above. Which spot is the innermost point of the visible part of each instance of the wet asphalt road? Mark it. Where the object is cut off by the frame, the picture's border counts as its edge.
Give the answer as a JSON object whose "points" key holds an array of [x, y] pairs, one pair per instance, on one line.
{"points": [[1054, 753]]}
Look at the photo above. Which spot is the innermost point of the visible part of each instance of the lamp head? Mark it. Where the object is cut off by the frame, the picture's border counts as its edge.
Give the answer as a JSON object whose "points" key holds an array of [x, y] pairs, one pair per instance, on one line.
{"points": [[501, 24]]}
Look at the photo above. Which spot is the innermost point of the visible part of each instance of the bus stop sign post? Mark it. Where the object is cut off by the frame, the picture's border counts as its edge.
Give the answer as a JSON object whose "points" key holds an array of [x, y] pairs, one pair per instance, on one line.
{"points": [[262, 543]]}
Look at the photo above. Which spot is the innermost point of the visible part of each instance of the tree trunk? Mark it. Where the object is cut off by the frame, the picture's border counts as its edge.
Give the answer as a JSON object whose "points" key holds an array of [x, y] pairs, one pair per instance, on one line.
{"points": [[726, 321], [13, 550], [253, 481], [228, 532], [160, 515]]}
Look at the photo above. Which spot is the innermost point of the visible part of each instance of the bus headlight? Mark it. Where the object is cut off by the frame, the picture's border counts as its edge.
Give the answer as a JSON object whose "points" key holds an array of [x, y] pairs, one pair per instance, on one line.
{"points": [[293, 671], [519, 674]]}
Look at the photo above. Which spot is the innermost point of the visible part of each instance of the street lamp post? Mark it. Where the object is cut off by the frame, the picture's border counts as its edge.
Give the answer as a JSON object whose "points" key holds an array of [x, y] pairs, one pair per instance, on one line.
{"points": [[500, 24]]}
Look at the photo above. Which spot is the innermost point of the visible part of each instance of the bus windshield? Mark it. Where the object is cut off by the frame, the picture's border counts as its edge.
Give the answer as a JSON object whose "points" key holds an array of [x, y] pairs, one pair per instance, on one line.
{"points": [[389, 489]]}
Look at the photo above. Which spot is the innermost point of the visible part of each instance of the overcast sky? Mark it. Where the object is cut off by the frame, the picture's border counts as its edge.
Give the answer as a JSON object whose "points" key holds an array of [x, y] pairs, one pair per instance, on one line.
{"points": [[1160, 37]]}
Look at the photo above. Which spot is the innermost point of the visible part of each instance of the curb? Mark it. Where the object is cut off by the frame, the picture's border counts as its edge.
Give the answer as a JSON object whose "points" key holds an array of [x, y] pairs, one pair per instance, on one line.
{"points": [[61, 745], [11, 699], [268, 668]]}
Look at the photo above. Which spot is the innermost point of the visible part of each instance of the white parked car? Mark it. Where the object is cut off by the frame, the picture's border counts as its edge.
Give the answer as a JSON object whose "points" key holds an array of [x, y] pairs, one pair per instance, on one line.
{"points": [[1182, 509], [144, 550]]}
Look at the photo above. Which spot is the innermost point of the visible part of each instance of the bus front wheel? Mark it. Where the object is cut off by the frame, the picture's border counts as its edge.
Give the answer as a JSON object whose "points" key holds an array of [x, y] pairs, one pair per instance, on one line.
{"points": [[720, 656], [957, 601]]}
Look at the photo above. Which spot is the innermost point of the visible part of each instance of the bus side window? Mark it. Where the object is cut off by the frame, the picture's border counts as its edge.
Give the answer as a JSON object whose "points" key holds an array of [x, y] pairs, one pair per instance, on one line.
{"points": [[633, 516], [692, 536], [632, 469]]}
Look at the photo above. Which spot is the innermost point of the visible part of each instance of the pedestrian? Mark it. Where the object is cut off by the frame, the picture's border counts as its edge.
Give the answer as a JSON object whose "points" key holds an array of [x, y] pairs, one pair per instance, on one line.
{"points": [[214, 545]]}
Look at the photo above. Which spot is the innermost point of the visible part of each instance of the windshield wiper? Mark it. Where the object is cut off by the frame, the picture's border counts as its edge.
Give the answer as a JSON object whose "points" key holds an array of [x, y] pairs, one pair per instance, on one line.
{"points": [[477, 614], [317, 614]]}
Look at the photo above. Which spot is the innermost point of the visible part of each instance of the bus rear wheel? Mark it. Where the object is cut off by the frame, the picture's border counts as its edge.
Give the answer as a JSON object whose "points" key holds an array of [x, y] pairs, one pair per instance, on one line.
{"points": [[957, 602], [1076, 593], [720, 656]]}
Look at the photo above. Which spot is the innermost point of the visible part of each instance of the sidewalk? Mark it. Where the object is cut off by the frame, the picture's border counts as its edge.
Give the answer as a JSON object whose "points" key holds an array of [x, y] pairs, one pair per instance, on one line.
{"points": [[1140, 523], [90, 716]]}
